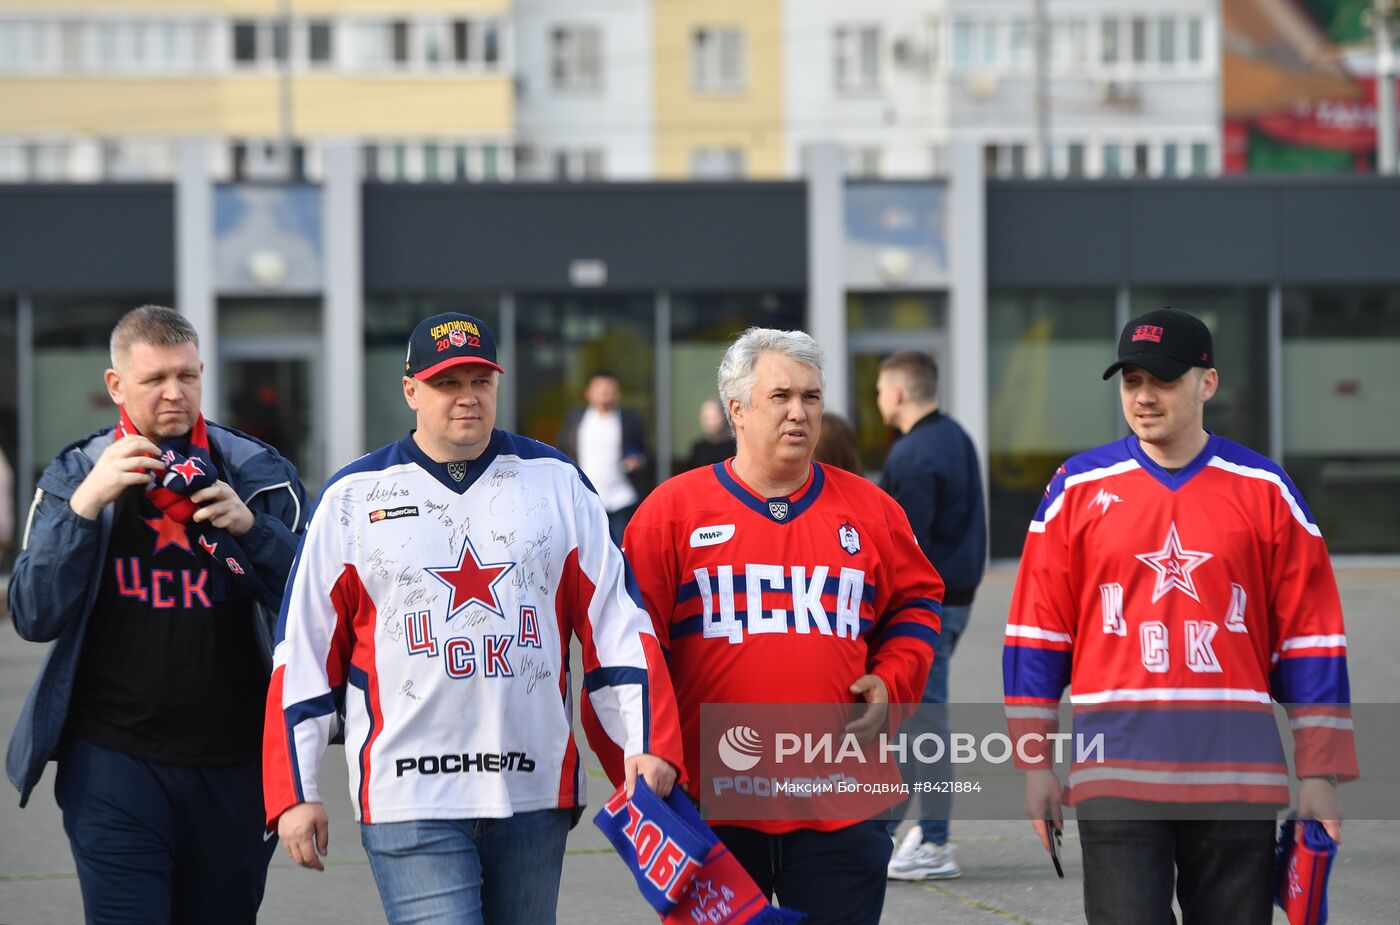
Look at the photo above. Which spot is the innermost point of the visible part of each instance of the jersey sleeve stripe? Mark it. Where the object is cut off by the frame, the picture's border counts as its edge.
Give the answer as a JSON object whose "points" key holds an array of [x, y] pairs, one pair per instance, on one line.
{"points": [[1175, 694], [1314, 642], [1024, 631], [911, 630], [1041, 674], [920, 603], [1250, 472], [1326, 722], [624, 676], [309, 709], [1312, 679]]}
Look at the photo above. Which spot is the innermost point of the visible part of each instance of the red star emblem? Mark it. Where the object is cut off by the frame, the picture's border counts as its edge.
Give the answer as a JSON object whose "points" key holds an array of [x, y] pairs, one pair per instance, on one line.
{"points": [[188, 470], [169, 532], [471, 581], [1174, 566]]}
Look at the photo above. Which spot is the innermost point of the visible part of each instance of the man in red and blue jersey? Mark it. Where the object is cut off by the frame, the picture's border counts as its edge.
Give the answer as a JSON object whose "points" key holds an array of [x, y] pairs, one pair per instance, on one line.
{"points": [[1176, 582], [772, 579]]}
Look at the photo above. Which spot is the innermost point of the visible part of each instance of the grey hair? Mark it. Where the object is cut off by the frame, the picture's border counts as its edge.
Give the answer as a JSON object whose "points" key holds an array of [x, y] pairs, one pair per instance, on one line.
{"points": [[155, 325], [736, 371]]}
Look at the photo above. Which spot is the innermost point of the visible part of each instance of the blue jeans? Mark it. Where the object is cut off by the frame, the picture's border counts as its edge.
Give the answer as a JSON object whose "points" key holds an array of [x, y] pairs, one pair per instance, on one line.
{"points": [[469, 871], [954, 622]]}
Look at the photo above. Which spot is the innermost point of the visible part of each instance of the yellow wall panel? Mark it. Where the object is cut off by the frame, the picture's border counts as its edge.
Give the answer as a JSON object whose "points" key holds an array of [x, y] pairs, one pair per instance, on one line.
{"points": [[249, 105], [751, 119]]}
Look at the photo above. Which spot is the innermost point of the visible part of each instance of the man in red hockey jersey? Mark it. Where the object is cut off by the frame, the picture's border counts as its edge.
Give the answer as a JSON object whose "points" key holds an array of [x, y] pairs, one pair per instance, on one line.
{"points": [[1177, 583], [771, 579]]}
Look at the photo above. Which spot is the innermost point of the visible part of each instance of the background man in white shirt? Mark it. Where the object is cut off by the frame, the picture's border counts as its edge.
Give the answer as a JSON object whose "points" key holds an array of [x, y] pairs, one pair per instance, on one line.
{"points": [[609, 444]]}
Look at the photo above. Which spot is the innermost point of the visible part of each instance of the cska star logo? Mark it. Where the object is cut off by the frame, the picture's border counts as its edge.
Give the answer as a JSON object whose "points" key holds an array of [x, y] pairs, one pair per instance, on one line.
{"points": [[778, 510], [189, 470], [850, 539], [1174, 566], [471, 581]]}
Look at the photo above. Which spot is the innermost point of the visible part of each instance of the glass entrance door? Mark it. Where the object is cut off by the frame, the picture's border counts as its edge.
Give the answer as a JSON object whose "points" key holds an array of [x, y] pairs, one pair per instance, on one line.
{"points": [[269, 392], [867, 350]]}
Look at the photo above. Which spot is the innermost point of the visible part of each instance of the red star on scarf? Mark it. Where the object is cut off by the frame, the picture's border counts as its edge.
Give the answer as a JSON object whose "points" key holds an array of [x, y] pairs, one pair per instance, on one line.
{"points": [[188, 470], [471, 581], [169, 532]]}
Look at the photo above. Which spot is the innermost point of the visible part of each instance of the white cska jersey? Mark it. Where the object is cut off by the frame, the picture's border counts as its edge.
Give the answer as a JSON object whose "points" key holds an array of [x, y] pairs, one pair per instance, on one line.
{"points": [[431, 606]]}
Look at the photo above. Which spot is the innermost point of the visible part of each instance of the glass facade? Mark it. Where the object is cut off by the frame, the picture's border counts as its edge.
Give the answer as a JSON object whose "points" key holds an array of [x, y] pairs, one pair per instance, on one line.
{"points": [[9, 429], [1046, 400], [1341, 432], [702, 327], [1238, 319], [72, 349], [880, 324], [562, 339]]}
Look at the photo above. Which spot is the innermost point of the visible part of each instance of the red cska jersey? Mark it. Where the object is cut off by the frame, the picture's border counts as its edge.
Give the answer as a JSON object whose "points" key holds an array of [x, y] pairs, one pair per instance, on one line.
{"points": [[782, 600], [1178, 608]]}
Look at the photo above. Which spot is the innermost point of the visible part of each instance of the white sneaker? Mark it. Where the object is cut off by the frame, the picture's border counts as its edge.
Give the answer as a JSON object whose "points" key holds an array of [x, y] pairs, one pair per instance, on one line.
{"points": [[915, 859]]}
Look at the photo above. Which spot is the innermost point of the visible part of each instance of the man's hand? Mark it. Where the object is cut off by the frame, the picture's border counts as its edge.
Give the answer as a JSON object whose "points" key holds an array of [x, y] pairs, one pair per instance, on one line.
{"points": [[221, 506], [1043, 795], [305, 833], [127, 462], [871, 688], [659, 773], [633, 462], [1317, 799]]}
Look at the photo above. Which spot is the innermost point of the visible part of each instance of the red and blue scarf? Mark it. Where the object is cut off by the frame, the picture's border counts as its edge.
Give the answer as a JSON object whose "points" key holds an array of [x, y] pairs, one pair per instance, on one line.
{"points": [[681, 866], [1304, 855], [189, 468]]}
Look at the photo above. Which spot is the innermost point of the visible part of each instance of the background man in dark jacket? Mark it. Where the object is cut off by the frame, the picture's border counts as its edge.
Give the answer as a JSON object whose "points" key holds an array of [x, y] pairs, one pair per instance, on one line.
{"points": [[933, 472], [154, 560], [609, 444]]}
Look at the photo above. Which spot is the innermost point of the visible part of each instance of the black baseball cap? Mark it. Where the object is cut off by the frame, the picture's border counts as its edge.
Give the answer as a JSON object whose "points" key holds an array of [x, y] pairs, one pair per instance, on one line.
{"points": [[449, 339], [1166, 342]]}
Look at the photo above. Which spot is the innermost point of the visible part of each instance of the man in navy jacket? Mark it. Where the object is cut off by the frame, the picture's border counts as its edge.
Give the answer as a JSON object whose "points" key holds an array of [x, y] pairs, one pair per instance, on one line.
{"points": [[160, 601], [933, 472]]}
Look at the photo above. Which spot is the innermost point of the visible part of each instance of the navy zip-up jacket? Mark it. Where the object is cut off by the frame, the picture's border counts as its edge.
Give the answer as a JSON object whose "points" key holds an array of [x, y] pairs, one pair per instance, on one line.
{"points": [[932, 471], [59, 571]]}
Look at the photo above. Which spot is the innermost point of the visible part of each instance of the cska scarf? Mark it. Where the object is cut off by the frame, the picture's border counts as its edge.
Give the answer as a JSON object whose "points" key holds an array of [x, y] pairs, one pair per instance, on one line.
{"points": [[189, 468], [683, 870], [1304, 855]]}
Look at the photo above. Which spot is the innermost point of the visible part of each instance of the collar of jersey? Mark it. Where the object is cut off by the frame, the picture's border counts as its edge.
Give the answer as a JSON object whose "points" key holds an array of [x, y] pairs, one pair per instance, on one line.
{"points": [[797, 502], [1173, 482], [439, 470]]}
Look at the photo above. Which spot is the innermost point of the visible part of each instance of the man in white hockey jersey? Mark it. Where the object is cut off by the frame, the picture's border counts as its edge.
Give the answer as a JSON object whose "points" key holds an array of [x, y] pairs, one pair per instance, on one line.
{"points": [[430, 613]]}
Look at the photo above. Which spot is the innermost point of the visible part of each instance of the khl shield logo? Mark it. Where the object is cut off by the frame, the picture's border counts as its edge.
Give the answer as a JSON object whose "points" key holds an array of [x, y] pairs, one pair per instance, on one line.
{"points": [[778, 510]]}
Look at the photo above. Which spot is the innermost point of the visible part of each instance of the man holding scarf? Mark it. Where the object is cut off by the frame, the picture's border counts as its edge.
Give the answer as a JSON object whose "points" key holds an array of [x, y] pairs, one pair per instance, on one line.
{"points": [[154, 559]]}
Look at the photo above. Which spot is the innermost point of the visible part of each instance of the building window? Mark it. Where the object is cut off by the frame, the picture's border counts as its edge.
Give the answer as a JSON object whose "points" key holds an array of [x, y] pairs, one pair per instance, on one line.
{"points": [[461, 41], [863, 162], [1075, 159], [245, 42], [1200, 158], [717, 163], [398, 42], [1022, 58], [1142, 159], [1139, 38], [1170, 165], [1112, 160], [857, 58], [576, 58], [717, 60], [1342, 451], [320, 50], [1069, 45], [1108, 40], [1195, 40], [963, 35], [1166, 40], [491, 42]]}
